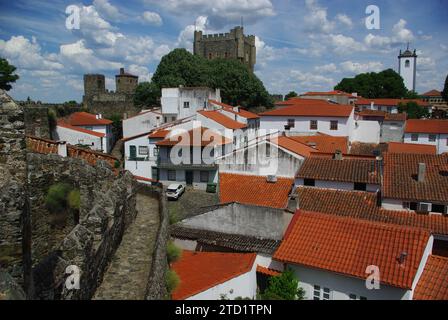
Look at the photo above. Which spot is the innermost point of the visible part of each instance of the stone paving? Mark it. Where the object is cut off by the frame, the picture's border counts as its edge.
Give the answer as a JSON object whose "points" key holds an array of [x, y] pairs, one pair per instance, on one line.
{"points": [[127, 275], [190, 202]]}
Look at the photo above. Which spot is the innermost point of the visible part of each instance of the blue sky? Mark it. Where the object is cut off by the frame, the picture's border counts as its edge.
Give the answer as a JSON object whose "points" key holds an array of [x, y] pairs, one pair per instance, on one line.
{"points": [[302, 45]]}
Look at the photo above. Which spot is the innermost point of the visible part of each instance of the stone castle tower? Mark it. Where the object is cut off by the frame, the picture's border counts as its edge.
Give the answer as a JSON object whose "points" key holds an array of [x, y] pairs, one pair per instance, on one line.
{"points": [[407, 68], [232, 45]]}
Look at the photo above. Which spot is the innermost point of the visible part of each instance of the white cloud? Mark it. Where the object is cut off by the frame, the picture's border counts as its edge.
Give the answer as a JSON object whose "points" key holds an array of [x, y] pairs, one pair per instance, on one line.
{"points": [[186, 36], [331, 67], [345, 20], [107, 10], [152, 18], [400, 32], [142, 72], [344, 45], [358, 67], [316, 18], [310, 79], [400, 35], [220, 12], [26, 54]]}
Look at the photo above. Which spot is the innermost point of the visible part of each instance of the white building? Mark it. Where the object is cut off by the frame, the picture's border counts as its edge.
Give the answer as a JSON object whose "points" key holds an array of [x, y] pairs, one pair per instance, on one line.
{"points": [[143, 122], [85, 129], [333, 256], [182, 102], [388, 105], [429, 132], [407, 68], [310, 116]]}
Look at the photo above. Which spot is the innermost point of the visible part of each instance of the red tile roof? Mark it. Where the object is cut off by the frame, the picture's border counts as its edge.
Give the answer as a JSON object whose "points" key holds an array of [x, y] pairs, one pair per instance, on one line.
{"points": [[292, 145], [363, 205], [432, 93], [346, 170], [390, 102], [328, 93], [207, 137], [324, 143], [426, 126], [348, 246], [267, 271], [400, 177], [86, 119], [162, 133], [199, 271], [400, 147], [62, 124], [310, 107], [433, 283], [241, 112], [222, 119], [254, 190]]}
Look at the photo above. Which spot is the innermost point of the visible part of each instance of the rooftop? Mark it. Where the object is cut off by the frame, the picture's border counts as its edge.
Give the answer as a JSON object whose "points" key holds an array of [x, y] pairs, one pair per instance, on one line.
{"points": [[433, 283], [199, 271], [426, 126], [222, 119], [324, 143], [292, 145], [328, 93], [432, 93], [347, 246], [255, 190], [346, 170], [86, 119], [400, 177], [400, 147], [310, 107], [390, 102], [197, 137], [62, 124], [241, 112]]}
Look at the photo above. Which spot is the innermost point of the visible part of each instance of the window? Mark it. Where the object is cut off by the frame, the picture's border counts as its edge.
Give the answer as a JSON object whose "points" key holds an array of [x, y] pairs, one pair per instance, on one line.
{"points": [[333, 125], [309, 182], [316, 293], [142, 150], [268, 150], [313, 124], [407, 63], [132, 152], [319, 294], [204, 176], [155, 152], [171, 175], [360, 186], [326, 295], [291, 123], [186, 104], [432, 137], [362, 298], [414, 137], [439, 208]]}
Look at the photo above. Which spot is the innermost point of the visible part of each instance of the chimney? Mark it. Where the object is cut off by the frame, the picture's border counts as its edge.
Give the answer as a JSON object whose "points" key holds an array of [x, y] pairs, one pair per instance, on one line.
{"points": [[402, 257], [338, 155], [271, 178], [421, 172], [62, 148], [121, 70]]}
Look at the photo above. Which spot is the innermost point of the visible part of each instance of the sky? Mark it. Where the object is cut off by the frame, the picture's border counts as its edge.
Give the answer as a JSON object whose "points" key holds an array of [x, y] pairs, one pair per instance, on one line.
{"points": [[302, 45]]}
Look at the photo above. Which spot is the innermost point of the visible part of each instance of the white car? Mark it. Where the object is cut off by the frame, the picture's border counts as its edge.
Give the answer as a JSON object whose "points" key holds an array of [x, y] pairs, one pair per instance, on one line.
{"points": [[174, 191]]}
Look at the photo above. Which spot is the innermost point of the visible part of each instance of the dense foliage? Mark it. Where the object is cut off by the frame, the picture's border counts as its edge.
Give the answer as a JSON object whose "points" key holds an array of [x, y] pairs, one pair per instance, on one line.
{"points": [[413, 110], [173, 252], [290, 95], [445, 90], [7, 76], [372, 85], [171, 280], [284, 287], [239, 86]]}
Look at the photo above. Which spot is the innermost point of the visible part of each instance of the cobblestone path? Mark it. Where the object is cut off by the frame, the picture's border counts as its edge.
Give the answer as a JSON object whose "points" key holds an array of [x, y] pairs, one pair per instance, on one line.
{"points": [[127, 275]]}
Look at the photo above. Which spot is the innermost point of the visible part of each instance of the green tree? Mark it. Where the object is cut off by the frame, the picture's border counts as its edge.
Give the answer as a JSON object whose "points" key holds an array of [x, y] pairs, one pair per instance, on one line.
{"points": [[7, 75], [290, 95], [117, 125], [384, 84], [445, 90], [413, 110], [239, 86], [284, 287], [173, 252], [56, 198], [147, 94]]}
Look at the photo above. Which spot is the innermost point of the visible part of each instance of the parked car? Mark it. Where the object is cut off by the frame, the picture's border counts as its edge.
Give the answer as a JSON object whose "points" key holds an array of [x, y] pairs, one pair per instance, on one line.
{"points": [[174, 191]]}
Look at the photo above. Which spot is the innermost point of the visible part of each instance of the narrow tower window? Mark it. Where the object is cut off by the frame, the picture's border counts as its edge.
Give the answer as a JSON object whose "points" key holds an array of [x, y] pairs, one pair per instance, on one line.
{"points": [[407, 63]]}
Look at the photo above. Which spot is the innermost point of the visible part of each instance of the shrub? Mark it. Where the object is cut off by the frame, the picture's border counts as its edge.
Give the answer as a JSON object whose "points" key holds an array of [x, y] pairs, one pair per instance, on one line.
{"points": [[284, 287], [174, 217], [56, 198], [171, 280], [173, 252], [74, 199]]}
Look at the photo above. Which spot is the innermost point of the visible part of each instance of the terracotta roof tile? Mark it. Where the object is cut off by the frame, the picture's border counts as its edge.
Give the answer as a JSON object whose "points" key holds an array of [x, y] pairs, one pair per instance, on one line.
{"points": [[267, 271], [328, 93], [292, 145], [363, 205], [347, 246], [207, 137], [346, 170], [426, 126], [433, 283], [86, 119], [389, 102], [222, 119], [369, 149], [324, 143], [310, 107], [399, 147], [62, 124], [241, 112], [255, 190], [199, 271], [400, 177], [432, 93]]}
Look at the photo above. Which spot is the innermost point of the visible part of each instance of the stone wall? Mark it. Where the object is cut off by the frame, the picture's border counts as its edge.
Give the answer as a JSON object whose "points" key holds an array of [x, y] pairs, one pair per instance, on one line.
{"points": [[113, 106], [156, 289], [108, 206], [37, 122], [14, 213]]}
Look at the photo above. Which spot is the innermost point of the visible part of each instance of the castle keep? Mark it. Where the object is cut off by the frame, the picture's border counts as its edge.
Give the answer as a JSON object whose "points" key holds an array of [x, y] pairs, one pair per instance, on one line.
{"points": [[232, 45], [99, 100]]}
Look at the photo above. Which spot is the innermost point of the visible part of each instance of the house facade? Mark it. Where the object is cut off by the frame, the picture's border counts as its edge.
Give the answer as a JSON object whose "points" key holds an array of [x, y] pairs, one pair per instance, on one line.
{"points": [[430, 132], [143, 122], [388, 105]]}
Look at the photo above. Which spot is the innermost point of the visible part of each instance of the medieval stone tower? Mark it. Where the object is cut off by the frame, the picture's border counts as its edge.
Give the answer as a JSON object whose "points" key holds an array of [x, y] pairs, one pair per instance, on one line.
{"points": [[232, 45], [407, 68], [126, 82]]}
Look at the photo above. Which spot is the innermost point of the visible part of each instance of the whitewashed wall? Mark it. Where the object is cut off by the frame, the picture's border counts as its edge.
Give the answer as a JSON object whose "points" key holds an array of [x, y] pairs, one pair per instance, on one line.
{"points": [[141, 123], [141, 168], [441, 142], [366, 131], [74, 137], [326, 184]]}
